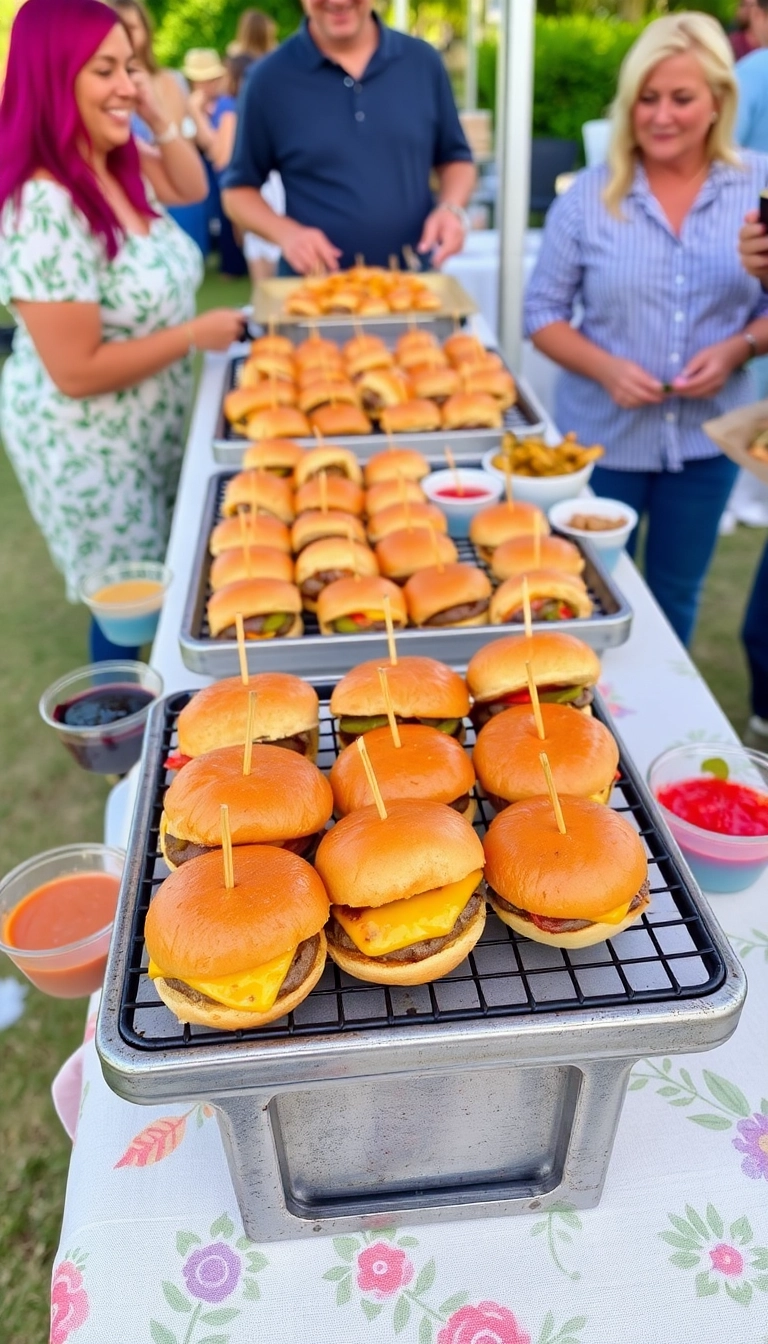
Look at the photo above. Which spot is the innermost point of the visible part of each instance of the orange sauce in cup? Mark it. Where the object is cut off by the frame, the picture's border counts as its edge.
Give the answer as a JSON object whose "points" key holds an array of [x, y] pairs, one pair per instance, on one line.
{"points": [[55, 915], [128, 591]]}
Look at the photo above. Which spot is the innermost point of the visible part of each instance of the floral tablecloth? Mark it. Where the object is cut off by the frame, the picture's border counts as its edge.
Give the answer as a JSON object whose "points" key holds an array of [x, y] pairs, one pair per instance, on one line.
{"points": [[152, 1245]]}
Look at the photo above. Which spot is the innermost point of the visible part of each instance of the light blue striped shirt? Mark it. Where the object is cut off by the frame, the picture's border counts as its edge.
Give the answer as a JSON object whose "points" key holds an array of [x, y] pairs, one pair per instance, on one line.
{"points": [[652, 297]]}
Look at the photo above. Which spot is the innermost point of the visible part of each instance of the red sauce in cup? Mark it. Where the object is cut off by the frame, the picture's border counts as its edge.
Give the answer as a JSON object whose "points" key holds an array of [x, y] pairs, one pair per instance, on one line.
{"points": [[468, 492], [57, 914], [717, 805]]}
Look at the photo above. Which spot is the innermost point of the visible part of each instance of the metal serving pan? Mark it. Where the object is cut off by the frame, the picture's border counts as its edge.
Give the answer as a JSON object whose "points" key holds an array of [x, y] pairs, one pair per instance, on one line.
{"points": [[270, 295], [495, 1090], [522, 420], [315, 655]]}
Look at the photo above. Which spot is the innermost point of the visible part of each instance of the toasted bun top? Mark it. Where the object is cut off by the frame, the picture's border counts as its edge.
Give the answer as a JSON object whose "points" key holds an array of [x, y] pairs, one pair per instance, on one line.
{"points": [[316, 347], [217, 715], [262, 529], [556, 660], [365, 861], [435, 382], [462, 345], [257, 562], [362, 344], [427, 764], [366, 593], [272, 345], [251, 597], [315, 460], [471, 408], [421, 688], [279, 422], [415, 339], [259, 490], [196, 927], [583, 755], [518, 556], [341, 419], [542, 583], [596, 866], [386, 494], [334, 553], [343, 495], [284, 796], [314, 524], [399, 516], [387, 466], [418, 414], [403, 552], [431, 590], [489, 527], [271, 453]]}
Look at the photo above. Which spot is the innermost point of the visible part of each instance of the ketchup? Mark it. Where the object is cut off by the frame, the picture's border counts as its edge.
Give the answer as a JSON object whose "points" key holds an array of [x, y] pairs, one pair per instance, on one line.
{"points": [[468, 492], [717, 805]]}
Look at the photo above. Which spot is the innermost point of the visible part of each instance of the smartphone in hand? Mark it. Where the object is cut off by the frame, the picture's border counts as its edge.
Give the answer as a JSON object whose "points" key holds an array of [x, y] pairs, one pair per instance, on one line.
{"points": [[764, 208]]}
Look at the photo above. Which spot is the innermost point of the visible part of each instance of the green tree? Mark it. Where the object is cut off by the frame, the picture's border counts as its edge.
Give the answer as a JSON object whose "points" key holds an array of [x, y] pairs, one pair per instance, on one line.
{"points": [[181, 24]]}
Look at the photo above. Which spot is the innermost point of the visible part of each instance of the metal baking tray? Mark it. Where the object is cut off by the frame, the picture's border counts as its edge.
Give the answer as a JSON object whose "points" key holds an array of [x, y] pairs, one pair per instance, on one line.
{"points": [[522, 420], [315, 655], [270, 295], [495, 1090]]}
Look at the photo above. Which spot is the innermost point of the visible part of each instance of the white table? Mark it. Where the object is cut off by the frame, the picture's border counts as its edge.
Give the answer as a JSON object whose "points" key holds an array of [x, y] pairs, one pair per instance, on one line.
{"points": [[676, 1252]]}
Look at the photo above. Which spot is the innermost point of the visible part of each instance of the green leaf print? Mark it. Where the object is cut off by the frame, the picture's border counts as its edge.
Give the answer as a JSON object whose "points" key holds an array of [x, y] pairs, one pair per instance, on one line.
{"points": [[160, 1334], [346, 1247], [185, 1241], [705, 1286], [698, 1223], [222, 1227], [338, 1272], [251, 1290], [344, 1291], [452, 1304], [371, 1309], [426, 1279], [402, 1315], [728, 1094], [684, 1259], [711, 1121], [425, 1331], [174, 1298], [222, 1316], [740, 1292]]}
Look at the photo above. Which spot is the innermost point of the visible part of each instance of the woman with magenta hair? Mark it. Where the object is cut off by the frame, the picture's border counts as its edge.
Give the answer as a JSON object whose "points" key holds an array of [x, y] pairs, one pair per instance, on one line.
{"points": [[102, 284]]}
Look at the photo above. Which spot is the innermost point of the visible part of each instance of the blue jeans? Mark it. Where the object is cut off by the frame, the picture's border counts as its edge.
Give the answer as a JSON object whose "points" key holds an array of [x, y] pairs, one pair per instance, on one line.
{"points": [[683, 510], [755, 635], [102, 650]]}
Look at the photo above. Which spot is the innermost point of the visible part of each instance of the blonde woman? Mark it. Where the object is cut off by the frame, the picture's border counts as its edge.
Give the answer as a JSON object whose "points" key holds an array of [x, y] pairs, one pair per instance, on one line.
{"points": [[647, 243]]}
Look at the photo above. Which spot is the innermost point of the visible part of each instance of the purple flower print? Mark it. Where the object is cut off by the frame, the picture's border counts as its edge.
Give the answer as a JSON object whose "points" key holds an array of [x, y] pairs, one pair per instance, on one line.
{"points": [[212, 1273], [754, 1143]]}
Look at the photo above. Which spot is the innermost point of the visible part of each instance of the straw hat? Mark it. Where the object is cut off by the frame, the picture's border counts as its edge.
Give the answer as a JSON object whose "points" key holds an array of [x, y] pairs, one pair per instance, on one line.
{"points": [[201, 64]]}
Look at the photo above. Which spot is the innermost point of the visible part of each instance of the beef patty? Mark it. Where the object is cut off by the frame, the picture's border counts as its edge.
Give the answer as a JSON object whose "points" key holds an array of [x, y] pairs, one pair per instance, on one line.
{"points": [[303, 961], [463, 612], [429, 947], [548, 925], [180, 851], [254, 625]]}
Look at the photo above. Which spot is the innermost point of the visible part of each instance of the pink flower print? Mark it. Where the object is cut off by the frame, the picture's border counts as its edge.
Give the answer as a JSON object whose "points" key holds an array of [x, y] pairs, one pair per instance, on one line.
{"points": [[487, 1323], [69, 1302], [754, 1144], [383, 1270], [212, 1273], [727, 1260]]}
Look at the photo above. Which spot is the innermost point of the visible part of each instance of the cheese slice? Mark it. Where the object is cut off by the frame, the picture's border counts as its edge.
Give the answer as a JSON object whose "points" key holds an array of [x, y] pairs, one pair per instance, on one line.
{"points": [[615, 916], [430, 914], [256, 990], [603, 796]]}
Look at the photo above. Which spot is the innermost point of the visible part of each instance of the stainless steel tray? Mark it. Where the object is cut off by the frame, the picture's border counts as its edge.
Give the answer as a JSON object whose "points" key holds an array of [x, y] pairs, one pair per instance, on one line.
{"points": [[314, 655], [496, 1090], [522, 420], [269, 297]]}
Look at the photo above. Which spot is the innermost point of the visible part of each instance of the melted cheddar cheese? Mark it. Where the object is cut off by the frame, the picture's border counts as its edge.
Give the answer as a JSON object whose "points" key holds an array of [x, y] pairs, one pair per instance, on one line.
{"points": [[615, 916], [431, 914], [256, 990], [603, 796]]}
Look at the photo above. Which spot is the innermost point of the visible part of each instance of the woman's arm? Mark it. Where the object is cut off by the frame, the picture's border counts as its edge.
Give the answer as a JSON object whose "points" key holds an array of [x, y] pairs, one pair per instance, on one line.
{"points": [[711, 367], [223, 141], [625, 382], [175, 170], [68, 339]]}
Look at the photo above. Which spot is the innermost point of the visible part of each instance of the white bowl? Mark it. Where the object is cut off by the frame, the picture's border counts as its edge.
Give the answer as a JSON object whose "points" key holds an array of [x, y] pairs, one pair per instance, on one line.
{"points": [[610, 543], [460, 511], [541, 490]]}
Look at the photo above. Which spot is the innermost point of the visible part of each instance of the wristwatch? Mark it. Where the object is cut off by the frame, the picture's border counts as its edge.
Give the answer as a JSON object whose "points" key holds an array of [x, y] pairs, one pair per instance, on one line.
{"points": [[458, 211], [168, 136]]}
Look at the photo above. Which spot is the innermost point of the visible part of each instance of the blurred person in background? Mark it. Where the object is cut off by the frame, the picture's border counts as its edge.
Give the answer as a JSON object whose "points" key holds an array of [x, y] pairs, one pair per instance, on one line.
{"points": [[101, 283], [740, 33], [213, 109], [753, 250], [256, 35], [670, 317]]}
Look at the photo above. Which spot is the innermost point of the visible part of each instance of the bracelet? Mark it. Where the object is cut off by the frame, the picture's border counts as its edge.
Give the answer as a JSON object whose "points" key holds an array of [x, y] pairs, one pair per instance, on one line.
{"points": [[191, 347], [458, 211], [752, 343], [168, 136]]}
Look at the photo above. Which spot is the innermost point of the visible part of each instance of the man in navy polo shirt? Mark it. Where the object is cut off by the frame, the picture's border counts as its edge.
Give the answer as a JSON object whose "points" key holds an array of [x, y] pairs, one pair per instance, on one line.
{"points": [[354, 116]]}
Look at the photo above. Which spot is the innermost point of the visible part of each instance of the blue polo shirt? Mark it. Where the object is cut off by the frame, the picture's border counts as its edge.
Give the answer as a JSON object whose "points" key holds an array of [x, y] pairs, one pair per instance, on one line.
{"points": [[355, 156]]}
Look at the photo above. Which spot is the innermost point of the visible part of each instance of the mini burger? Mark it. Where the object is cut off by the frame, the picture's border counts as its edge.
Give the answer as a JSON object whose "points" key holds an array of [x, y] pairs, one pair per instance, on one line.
{"points": [[418, 416], [315, 350], [331, 459], [366, 360], [285, 715], [327, 560], [405, 908], [569, 890], [387, 493], [554, 597], [240, 957], [380, 388], [341, 494], [400, 554], [456, 595], [334, 419], [496, 383], [284, 801], [489, 527], [422, 357], [243, 402], [398, 516], [279, 422], [273, 345], [472, 410], [427, 764], [564, 671], [271, 365], [355, 606], [270, 608], [423, 690], [279, 456], [461, 348], [419, 338], [519, 555], [258, 492], [314, 525], [394, 463], [435, 385], [583, 755], [327, 393], [251, 562], [262, 529]]}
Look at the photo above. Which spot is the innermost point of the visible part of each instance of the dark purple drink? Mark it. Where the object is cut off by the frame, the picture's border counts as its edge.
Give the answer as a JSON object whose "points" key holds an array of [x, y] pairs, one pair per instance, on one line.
{"points": [[116, 749]]}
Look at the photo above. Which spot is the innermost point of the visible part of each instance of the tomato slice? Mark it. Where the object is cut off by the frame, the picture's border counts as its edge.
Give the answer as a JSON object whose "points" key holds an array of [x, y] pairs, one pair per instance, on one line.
{"points": [[176, 761]]}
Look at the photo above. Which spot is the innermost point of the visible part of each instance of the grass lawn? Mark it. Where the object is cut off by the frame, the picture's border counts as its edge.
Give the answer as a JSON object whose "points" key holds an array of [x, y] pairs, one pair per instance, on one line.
{"points": [[45, 801]]}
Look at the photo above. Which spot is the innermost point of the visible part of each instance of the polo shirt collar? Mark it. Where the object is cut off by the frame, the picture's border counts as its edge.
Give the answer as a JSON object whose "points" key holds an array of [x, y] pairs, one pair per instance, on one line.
{"points": [[388, 49]]}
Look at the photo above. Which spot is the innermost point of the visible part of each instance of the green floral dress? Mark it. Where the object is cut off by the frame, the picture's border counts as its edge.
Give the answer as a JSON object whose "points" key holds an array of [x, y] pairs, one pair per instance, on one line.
{"points": [[99, 474]]}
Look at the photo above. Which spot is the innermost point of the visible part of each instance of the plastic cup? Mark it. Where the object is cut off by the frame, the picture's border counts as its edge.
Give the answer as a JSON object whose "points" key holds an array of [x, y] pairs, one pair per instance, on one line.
{"points": [[70, 970], [103, 748], [482, 490], [541, 490], [720, 863], [609, 543], [130, 623]]}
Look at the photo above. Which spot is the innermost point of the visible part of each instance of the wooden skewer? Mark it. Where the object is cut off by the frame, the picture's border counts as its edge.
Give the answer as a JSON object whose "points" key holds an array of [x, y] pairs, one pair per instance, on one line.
{"points": [[536, 541], [323, 492], [246, 545], [394, 262], [318, 433], [241, 647], [372, 780], [359, 259], [393, 728], [558, 811], [527, 608], [249, 728], [451, 460], [534, 694], [226, 849], [387, 605], [353, 554], [439, 562], [508, 482]]}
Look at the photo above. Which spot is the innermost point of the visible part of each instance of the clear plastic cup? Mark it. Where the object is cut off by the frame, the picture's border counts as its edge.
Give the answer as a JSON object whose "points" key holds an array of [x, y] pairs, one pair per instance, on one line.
{"points": [[125, 621], [97, 691], [65, 970], [609, 542], [482, 490]]}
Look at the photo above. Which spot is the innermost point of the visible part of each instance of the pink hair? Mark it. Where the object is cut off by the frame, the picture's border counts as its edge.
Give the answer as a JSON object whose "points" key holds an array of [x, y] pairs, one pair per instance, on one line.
{"points": [[40, 122]]}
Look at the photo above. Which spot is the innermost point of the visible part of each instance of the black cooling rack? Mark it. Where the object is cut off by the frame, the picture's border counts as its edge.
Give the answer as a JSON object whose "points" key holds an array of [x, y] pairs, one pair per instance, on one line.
{"points": [[666, 957]]}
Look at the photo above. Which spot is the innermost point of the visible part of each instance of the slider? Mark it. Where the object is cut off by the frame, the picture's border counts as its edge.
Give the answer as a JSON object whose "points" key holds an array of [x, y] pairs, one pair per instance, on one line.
{"points": [[554, 597]]}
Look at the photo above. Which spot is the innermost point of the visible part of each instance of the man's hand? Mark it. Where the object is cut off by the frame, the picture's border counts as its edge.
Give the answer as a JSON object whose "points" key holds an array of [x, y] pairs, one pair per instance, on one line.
{"points": [[629, 385], [443, 235], [753, 247], [308, 251], [710, 368]]}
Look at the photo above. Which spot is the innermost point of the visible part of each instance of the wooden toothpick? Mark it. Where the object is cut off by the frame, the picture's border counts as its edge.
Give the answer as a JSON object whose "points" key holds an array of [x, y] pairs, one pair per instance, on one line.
{"points": [[249, 728], [508, 482], [439, 562], [241, 647], [527, 608], [226, 849], [534, 694], [387, 605], [558, 811], [451, 460], [246, 545], [372, 780], [393, 728]]}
